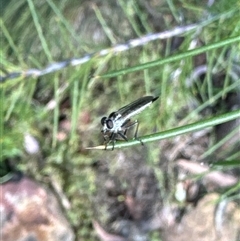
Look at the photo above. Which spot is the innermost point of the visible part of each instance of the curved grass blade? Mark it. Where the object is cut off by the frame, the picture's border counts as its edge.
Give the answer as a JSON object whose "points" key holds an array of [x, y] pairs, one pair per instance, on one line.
{"points": [[174, 132]]}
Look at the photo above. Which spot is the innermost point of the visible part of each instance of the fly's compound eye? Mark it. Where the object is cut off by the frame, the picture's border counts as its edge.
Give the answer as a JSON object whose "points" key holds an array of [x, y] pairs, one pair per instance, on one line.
{"points": [[112, 115], [109, 123], [103, 120]]}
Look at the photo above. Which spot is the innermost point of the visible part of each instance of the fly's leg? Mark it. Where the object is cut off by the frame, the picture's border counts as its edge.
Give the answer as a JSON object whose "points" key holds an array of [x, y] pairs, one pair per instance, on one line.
{"points": [[123, 135], [112, 139], [136, 131], [128, 126]]}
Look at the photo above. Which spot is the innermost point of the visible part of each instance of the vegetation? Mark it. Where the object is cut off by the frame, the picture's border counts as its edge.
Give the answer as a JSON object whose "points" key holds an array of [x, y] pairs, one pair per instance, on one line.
{"points": [[62, 109]]}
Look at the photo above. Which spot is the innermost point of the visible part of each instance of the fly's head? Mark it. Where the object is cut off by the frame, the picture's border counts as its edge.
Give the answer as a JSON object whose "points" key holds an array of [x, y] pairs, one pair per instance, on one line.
{"points": [[109, 122]]}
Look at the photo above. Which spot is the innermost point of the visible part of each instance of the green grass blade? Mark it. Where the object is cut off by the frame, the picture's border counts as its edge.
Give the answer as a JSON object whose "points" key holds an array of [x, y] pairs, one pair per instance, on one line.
{"points": [[172, 58], [177, 131], [39, 30]]}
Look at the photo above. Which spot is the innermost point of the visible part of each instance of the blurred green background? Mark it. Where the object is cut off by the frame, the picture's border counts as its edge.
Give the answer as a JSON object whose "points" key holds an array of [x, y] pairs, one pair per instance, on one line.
{"points": [[62, 110]]}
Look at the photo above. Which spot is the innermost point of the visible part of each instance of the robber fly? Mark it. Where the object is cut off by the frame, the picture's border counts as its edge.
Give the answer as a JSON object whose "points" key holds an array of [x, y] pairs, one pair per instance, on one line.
{"points": [[117, 123]]}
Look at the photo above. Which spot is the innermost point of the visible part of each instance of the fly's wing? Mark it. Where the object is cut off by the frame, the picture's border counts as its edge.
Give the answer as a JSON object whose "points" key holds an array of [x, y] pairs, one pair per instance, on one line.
{"points": [[135, 107]]}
